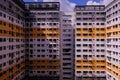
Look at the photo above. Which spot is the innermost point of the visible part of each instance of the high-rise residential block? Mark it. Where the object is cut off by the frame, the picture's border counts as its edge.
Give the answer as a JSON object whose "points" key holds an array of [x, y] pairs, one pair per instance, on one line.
{"points": [[12, 40], [113, 39], [67, 45], [43, 40], [90, 36], [38, 41]]}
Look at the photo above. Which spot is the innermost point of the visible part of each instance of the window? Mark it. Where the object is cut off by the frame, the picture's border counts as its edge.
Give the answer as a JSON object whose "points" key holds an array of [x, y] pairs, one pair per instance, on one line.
{"points": [[78, 23], [78, 39], [0, 13], [78, 71], [102, 23], [42, 39], [85, 50], [4, 23], [4, 15], [78, 50], [38, 39], [78, 55], [102, 40], [84, 23], [78, 45], [97, 23], [85, 39], [0, 56], [38, 55], [0, 66], [0, 48], [0, 22]]}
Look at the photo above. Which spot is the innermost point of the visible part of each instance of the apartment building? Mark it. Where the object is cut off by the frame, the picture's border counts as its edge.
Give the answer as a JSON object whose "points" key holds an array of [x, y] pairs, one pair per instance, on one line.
{"points": [[113, 39], [43, 40], [40, 42], [12, 40], [90, 36], [67, 45]]}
